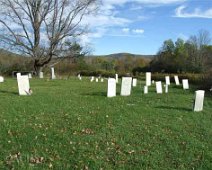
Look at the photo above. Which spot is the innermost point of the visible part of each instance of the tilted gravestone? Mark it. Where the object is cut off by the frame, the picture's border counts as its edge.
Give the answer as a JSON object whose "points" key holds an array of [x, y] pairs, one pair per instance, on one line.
{"points": [[159, 89], [111, 87], [145, 89], [148, 79], [199, 100], [134, 82], [23, 85], [177, 82], [185, 84], [167, 79], [53, 73], [126, 86], [117, 78]]}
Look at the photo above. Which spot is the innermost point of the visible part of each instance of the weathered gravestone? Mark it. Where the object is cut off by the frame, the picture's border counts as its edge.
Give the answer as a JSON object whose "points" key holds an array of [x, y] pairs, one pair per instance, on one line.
{"points": [[41, 75], [97, 80], [23, 85], [111, 87], [199, 99], [148, 79], [126, 86], [176, 79], [102, 80], [53, 74], [185, 84], [117, 78], [145, 89], [1, 79], [167, 79], [159, 89], [134, 82]]}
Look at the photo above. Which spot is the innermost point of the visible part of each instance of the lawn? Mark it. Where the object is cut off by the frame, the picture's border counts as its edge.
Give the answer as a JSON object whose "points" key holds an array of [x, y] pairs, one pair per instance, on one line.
{"points": [[71, 124]]}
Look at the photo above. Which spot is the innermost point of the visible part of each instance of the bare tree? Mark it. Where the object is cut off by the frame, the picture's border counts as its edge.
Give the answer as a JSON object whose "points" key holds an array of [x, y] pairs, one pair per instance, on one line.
{"points": [[40, 28]]}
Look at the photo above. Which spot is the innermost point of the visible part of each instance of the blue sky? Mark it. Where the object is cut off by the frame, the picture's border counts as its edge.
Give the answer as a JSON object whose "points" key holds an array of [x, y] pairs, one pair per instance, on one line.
{"points": [[141, 26]]}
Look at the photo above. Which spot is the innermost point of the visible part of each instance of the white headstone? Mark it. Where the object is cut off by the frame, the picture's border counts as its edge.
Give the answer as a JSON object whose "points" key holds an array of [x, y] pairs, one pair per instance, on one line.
{"points": [[166, 86], [1, 79], [185, 84], [148, 79], [153, 82], [102, 80], [97, 80], [176, 79], [117, 78], [199, 99], [134, 82], [145, 89], [30, 75], [53, 74], [18, 75], [41, 75], [111, 87], [92, 78], [159, 89], [167, 78], [23, 85], [126, 86]]}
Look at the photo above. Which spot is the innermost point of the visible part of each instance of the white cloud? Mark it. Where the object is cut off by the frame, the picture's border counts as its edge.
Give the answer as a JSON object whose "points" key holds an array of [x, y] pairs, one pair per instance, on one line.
{"points": [[126, 30], [138, 31], [197, 13]]}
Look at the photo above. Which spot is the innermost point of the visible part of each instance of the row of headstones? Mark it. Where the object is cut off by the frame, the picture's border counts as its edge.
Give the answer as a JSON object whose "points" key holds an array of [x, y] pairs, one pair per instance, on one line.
{"points": [[127, 85]]}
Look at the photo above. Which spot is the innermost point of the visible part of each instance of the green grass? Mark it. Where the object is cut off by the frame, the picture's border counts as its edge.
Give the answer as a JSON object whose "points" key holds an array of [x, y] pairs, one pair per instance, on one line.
{"points": [[68, 124]]}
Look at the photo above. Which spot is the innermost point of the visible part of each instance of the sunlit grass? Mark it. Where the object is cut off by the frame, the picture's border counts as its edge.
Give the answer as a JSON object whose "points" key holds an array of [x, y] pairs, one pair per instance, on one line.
{"points": [[71, 124]]}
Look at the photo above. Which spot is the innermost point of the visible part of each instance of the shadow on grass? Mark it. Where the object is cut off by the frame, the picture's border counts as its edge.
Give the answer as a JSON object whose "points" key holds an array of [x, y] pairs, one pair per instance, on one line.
{"points": [[174, 108], [102, 94], [8, 92]]}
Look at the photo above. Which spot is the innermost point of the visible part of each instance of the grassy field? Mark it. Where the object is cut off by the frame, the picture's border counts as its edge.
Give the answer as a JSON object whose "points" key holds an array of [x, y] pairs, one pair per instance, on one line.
{"points": [[68, 124]]}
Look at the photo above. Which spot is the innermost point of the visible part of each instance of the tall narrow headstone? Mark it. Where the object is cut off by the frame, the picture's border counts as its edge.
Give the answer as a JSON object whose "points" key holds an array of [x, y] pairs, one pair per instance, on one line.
{"points": [[145, 89], [111, 87], [126, 86], [117, 78], [23, 85], [97, 80], [1, 79], [92, 78], [134, 82], [18, 75], [199, 99], [41, 75], [167, 78], [53, 74], [148, 79], [176, 79], [185, 84], [159, 89], [166, 86]]}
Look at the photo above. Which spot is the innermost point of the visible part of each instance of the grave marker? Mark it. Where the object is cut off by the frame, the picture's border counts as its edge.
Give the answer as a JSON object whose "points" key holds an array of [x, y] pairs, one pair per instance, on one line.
{"points": [[167, 78], [148, 79], [177, 82], [111, 87], [117, 78], [53, 74], [41, 75], [159, 89], [166, 88], [97, 80], [30, 75], [199, 99], [126, 86], [23, 85], [145, 89], [1, 79], [185, 84], [134, 82]]}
